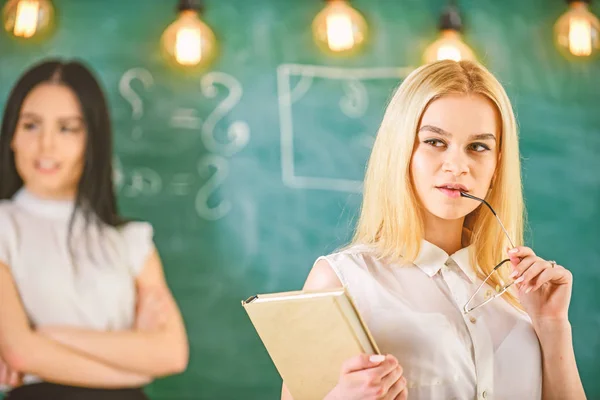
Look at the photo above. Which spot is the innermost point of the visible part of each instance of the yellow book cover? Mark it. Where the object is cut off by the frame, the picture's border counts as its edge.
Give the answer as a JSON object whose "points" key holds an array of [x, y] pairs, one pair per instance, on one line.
{"points": [[309, 335]]}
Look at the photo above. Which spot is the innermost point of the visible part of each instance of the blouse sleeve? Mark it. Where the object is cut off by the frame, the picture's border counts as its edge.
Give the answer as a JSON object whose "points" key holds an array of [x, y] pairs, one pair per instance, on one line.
{"points": [[138, 238]]}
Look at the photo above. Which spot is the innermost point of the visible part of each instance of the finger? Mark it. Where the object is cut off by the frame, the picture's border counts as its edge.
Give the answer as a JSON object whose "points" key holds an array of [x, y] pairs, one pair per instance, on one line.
{"points": [[373, 377], [391, 378], [3, 373], [403, 395], [396, 388], [533, 271], [520, 266], [558, 275], [544, 277], [13, 379], [362, 361], [520, 252]]}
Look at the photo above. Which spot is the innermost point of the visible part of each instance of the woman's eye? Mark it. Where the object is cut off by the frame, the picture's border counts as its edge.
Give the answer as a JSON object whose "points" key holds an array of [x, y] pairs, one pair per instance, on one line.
{"points": [[30, 126], [479, 147], [69, 129], [435, 142]]}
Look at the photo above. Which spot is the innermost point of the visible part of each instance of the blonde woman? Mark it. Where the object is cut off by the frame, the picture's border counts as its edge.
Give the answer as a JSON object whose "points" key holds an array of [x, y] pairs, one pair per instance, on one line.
{"points": [[426, 268]]}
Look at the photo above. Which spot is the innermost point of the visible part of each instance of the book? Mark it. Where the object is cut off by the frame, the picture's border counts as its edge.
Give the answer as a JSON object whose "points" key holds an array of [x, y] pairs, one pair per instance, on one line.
{"points": [[309, 335]]}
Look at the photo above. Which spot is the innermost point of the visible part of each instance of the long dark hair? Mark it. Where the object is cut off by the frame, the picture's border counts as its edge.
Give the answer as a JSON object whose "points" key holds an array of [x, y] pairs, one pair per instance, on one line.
{"points": [[95, 192]]}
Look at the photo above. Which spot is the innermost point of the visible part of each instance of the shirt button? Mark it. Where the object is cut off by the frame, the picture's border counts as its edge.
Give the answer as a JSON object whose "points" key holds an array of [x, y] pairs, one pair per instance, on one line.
{"points": [[484, 394], [473, 320]]}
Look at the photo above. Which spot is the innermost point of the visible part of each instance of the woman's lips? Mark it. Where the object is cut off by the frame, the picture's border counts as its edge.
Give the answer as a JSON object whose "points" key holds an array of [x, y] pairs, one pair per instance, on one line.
{"points": [[452, 193]]}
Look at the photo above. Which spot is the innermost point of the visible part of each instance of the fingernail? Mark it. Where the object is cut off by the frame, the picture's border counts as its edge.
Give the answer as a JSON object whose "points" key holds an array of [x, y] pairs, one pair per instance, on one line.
{"points": [[521, 279], [512, 251], [377, 358], [514, 274], [528, 290]]}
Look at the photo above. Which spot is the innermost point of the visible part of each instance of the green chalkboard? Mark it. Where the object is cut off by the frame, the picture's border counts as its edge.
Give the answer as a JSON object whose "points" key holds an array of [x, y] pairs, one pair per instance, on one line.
{"points": [[252, 169]]}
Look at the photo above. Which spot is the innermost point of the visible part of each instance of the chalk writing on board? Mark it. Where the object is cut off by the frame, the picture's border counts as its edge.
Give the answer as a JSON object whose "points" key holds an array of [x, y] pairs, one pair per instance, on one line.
{"points": [[353, 103], [147, 182], [216, 168], [238, 133], [142, 182], [118, 177], [180, 184], [136, 182], [213, 168], [185, 118], [134, 99]]}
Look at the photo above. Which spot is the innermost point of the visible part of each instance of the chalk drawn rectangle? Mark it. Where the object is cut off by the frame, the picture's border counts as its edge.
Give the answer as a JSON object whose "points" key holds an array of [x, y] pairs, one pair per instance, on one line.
{"points": [[350, 99]]}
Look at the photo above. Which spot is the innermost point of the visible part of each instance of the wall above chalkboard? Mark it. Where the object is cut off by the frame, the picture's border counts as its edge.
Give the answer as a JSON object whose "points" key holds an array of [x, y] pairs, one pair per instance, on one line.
{"points": [[338, 28]]}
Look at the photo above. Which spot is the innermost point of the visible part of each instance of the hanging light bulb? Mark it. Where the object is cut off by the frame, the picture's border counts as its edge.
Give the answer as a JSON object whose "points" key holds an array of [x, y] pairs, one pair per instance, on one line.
{"points": [[188, 41], [576, 31], [449, 46], [25, 18], [339, 27]]}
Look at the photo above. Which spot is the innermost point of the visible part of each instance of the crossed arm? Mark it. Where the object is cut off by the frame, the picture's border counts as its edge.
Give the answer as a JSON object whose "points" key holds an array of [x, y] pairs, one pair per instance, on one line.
{"points": [[154, 347]]}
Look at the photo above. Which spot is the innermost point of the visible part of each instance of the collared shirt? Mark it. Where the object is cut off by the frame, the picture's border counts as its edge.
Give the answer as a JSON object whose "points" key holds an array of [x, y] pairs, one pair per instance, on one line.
{"points": [[414, 312]]}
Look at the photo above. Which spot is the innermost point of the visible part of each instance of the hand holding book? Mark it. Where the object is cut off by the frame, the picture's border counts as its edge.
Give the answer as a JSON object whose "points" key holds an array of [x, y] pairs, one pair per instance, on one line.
{"points": [[322, 348], [370, 377]]}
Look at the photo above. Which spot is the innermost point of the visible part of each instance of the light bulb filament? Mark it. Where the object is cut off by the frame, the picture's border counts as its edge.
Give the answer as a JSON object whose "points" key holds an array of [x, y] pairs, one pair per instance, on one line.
{"points": [[26, 18], [339, 32], [188, 46], [448, 52], [580, 37]]}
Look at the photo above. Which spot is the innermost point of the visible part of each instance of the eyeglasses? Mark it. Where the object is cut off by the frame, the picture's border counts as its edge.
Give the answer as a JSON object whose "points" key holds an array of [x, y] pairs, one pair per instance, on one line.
{"points": [[500, 290]]}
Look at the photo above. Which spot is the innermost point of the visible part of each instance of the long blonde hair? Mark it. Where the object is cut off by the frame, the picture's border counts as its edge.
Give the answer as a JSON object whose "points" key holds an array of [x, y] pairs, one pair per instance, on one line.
{"points": [[391, 220]]}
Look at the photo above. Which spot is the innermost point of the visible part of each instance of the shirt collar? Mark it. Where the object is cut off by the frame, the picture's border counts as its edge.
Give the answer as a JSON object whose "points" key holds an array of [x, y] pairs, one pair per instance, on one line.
{"points": [[431, 259], [54, 209]]}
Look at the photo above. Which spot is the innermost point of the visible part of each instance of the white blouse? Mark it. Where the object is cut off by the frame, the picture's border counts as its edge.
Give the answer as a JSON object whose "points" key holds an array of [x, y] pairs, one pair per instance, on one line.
{"points": [[414, 312], [89, 284]]}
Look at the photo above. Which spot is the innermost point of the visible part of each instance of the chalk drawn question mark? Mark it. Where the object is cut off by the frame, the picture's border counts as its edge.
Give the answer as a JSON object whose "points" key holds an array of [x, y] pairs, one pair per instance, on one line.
{"points": [[144, 182], [205, 165], [356, 99], [238, 133], [137, 106]]}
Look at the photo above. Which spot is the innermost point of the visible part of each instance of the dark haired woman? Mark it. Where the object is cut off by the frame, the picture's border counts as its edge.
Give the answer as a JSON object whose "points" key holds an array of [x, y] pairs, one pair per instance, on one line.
{"points": [[85, 310]]}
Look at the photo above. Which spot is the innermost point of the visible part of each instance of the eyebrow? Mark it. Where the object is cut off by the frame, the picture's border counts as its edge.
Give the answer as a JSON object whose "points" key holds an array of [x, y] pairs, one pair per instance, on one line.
{"points": [[31, 115], [67, 119], [62, 119], [440, 131]]}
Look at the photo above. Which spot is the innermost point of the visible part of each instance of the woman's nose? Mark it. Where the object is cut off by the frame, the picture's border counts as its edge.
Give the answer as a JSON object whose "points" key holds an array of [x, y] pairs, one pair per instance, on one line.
{"points": [[455, 162], [46, 139]]}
